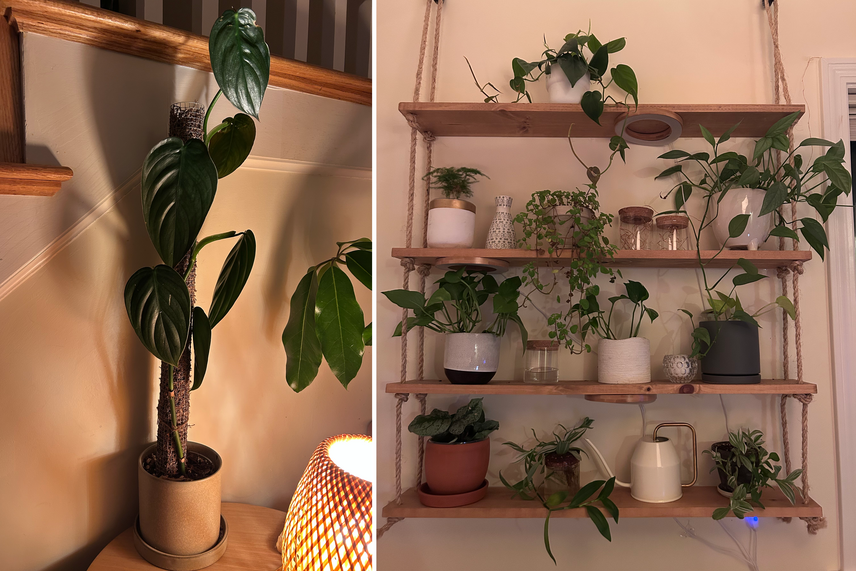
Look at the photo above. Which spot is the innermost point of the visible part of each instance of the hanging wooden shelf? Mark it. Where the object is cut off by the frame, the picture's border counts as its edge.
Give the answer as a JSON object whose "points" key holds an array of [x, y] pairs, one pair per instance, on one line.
{"points": [[766, 387], [698, 501], [32, 180], [553, 120], [765, 259]]}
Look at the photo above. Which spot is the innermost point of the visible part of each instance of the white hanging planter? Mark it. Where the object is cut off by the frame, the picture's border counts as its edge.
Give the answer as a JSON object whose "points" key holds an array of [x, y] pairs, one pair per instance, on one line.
{"points": [[743, 201], [559, 87], [451, 223], [624, 361]]}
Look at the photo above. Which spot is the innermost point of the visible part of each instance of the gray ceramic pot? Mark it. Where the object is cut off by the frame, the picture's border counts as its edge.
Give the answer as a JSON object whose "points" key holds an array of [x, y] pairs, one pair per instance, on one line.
{"points": [[734, 357]]}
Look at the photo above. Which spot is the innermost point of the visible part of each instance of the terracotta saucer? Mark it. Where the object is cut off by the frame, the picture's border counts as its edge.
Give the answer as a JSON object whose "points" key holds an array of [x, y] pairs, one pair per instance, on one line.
{"points": [[451, 500]]}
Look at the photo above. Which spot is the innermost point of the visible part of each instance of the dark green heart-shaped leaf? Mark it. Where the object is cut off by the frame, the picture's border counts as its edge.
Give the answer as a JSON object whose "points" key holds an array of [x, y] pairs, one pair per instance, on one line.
{"points": [[340, 325], [201, 346], [300, 339], [636, 291], [616, 45], [738, 225], [786, 304], [178, 185], [233, 276], [407, 299], [775, 196], [158, 305], [815, 235], [744, 279], [574, 68], [625, 78], [359, 262], [240, 59], [592, 105], [231, 145], [600, 61]]}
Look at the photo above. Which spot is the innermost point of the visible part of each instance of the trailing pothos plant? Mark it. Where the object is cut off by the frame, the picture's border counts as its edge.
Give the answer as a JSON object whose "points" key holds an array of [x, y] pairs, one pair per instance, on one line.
{"points": [[573, 60], [748, 469], [534, 466], [179, 182], [326, 320]]}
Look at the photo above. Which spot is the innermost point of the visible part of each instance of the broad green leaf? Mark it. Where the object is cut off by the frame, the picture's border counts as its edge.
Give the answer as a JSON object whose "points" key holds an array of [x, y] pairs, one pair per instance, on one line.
{"points": [[636, 291], [775, 196], [586, 492], [669, 171], [359, 262], [727, 134], [747, 266], [439, 296], [815, 235], [615, 45], [158, 305], [674, 154], [652, 314], [784, 232], [682, 194], [437, 422], [744, 279], [738, 225], [611, 508], [781, 126], [762, 145], [625, 78], [600, 61], [201, 346], [240, 59], [299, 338], [745, 317], [592, 105], [178, 185], [593, 44], [406, 299], [574, 68], [367, 335], [361, 243], [233, 276], [599, 521], [707, 136], [815, 142], [231, 145], [720, 513], [786, 304], [340, 324], [547, 536], [607, 489], [750, 178]]}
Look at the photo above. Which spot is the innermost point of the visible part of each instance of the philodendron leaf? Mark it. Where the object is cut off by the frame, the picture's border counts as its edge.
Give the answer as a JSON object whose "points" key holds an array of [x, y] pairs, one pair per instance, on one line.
{"points": [[240, 59], [302, 346], [158, 305], [233, 276], [367, 335], [592, 105], [786, 304], [784, 232], [359, 262], [815, 235], [178, 185], [625, 78], [775, 196], [738, 225], [340, 324], [231, 145], [201, 346]]}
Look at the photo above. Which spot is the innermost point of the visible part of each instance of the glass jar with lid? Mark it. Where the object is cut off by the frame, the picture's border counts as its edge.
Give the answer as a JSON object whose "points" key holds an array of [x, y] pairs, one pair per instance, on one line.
{"points": [[672, 232], [635, 227], [542, 361]]}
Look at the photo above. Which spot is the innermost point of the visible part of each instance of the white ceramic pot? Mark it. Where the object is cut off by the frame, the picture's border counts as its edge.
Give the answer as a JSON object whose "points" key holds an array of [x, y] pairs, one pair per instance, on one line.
{"points": [[565, 226], [471, 358], [451, 223], [624, 361], [559, 87], [680, 368], [743, 201]]}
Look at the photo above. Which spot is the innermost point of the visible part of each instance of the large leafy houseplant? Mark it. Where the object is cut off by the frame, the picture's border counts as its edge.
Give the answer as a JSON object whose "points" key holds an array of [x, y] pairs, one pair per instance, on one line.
{"points": [[326, 320], [467, 424], [747, 468], [179, 182]]}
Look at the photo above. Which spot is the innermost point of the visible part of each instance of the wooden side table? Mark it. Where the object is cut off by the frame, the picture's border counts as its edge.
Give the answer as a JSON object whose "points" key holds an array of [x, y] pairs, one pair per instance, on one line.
{"points": [[253, 532]]}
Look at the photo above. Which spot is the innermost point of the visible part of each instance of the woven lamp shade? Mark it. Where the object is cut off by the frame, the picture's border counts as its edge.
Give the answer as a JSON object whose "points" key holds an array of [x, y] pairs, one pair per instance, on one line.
{"points": [[329, 521]]}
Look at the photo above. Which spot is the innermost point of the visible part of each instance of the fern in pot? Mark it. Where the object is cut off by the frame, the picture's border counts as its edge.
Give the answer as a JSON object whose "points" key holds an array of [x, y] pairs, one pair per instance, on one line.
{"points": [[456, 309], [179, 480], [451, 219]]}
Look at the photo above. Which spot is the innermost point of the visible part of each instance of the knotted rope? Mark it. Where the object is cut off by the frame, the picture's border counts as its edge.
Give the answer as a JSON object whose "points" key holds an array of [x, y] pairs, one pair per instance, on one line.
{"points": [[795, 270]]}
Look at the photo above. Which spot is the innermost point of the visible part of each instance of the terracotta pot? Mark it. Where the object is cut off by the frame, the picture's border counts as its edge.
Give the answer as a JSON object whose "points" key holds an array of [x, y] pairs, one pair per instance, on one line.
{"points": [[456, 468], [180, 518]]}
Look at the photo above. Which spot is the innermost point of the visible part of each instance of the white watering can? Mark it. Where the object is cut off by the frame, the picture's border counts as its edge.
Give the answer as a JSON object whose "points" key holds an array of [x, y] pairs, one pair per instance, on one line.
{"points": [[655, 468]]}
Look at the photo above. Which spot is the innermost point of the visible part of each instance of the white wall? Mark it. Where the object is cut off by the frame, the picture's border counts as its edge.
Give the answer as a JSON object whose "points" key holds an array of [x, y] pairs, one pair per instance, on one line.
{"points": [[682, 53], [77, 388]]}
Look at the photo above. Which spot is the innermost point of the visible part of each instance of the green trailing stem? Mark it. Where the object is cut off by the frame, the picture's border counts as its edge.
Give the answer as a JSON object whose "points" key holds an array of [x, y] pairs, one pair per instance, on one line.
{"points": [[208, 113]]}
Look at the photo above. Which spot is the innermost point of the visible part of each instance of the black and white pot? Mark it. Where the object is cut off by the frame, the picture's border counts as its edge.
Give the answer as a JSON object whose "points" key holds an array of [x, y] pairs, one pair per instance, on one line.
{"points": [[451, 223], [624, 361], [734, 357], [471, 358]]}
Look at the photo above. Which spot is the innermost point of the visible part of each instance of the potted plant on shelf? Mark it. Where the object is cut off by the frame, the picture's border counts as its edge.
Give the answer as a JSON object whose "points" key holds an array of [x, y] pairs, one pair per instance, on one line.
{"points": [[455, 309], [619, 360], [456, 456], [745, 469], [180, 480], [452, 220], [551, 475], [326, 320]]}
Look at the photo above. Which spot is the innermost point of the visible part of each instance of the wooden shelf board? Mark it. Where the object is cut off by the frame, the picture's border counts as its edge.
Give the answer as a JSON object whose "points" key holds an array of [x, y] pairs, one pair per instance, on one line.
{"points": [[32, 180], [765, 387], [623, 258], [698, 501], [80, 23], [553, 120]]}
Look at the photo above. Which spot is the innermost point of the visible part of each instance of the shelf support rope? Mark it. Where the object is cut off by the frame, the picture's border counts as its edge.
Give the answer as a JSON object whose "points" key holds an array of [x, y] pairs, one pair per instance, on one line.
{"points": [[409, 264], [795, 270]]}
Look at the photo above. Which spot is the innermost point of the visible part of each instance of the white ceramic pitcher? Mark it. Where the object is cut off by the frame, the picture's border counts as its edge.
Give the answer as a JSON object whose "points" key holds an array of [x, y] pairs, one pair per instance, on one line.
{"points": [[655, 468]]}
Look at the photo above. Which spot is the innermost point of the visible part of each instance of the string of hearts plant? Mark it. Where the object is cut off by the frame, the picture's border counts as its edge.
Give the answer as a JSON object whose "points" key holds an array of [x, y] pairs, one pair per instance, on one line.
{"points": [[179, 183]]}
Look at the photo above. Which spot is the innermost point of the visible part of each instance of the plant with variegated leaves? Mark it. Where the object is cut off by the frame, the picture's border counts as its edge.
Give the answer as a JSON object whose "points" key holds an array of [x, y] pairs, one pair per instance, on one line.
{"points": [[179, 182]]}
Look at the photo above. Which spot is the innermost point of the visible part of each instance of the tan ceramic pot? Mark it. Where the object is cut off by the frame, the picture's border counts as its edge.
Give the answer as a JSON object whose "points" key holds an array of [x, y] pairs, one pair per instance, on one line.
{"points": [[456, 468], [180, 518]]}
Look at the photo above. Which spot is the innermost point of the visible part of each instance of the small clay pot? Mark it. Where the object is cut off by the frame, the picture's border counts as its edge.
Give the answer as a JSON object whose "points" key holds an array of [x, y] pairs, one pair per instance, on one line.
{"points": [[456, 468]]}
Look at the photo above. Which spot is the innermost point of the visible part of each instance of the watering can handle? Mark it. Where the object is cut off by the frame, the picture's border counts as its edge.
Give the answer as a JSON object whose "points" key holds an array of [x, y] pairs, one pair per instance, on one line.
{"points": [[695, 447], [603, 463]]}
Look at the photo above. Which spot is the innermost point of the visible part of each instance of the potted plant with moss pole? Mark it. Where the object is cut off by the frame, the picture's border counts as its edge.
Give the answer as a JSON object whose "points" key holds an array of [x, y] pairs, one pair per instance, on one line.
{"points": [[180, 480], [452, 220]]}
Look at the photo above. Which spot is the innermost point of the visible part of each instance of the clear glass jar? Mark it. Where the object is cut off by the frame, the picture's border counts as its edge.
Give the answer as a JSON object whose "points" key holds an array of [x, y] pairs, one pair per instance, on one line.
{"points": [[542, 361], [635, 227], [563, 475], [672, 232]]}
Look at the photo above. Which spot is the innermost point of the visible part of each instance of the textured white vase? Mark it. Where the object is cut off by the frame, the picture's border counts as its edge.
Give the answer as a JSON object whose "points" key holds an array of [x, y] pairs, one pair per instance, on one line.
{"points": [[500, 235], [451, 223], [471, 358], [743, 201], [624, 361], [559, 87]]}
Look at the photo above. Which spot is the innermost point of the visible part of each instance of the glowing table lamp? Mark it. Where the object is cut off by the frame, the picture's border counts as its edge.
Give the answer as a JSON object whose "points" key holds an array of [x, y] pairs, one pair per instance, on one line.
{"points": [[329, 521]]}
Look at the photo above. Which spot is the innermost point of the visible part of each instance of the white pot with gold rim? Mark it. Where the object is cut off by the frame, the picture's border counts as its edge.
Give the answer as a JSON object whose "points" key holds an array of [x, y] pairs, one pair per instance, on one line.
{"points": [[451, 223]]}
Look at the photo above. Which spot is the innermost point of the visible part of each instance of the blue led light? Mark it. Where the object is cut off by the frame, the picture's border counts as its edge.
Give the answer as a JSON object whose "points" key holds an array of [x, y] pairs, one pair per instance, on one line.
{"points": [[751, 522]]}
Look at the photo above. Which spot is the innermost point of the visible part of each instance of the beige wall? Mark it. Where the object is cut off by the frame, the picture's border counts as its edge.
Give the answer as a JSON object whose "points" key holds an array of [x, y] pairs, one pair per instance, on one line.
{"points": [[683, 52], [77, 388]]}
